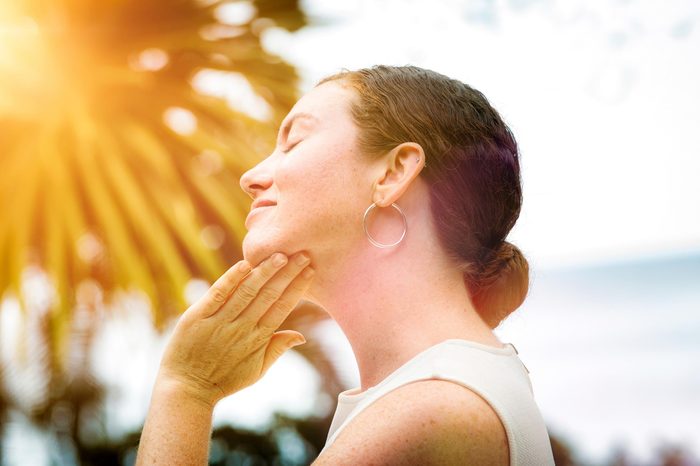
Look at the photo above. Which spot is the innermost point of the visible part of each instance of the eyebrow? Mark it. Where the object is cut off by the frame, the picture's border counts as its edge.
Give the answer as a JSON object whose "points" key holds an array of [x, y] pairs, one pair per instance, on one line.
{"points": [[284, 131]]}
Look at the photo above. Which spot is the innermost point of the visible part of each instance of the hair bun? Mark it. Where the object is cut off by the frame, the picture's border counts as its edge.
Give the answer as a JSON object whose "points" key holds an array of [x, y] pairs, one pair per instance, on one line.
{"points": [[502, 284]]}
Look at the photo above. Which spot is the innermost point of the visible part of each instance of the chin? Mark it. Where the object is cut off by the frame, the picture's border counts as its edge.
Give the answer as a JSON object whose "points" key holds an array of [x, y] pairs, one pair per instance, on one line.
{"points": [[256, 248]]}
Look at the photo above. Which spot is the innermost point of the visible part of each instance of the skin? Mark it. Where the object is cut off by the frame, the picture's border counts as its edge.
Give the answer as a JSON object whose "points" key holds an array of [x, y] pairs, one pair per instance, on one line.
{"points": [[390, 303]]}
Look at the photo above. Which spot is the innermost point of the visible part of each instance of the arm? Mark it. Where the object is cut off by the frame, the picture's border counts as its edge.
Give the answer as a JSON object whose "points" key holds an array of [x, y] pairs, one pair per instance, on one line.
{"points": [[223, 343], [177, 429], [424, 422]]}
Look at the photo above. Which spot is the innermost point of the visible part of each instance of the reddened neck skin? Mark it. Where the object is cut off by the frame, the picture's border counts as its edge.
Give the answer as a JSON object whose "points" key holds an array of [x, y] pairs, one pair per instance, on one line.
{"points": [[312, 192], [393, 303]]}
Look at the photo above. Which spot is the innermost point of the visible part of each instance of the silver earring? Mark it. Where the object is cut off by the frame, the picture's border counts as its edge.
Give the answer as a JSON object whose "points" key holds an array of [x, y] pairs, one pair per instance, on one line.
{"points": [[374, 241]]}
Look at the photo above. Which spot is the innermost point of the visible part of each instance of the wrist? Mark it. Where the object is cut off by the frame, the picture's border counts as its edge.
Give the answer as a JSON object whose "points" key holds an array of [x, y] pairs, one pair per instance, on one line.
{"points": [[182, 394]]}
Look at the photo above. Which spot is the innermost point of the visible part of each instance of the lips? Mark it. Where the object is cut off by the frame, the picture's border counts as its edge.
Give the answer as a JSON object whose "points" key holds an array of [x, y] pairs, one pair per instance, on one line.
{"points": [[257, 206], [262, 203]]}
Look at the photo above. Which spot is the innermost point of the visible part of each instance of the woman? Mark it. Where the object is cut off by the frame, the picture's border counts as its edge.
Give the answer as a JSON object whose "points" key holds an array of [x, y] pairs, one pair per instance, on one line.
{"points": [[395, 187]]}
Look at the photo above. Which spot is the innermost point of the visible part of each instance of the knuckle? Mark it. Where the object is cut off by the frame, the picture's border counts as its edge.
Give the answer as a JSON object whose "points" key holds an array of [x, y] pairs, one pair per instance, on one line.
{"points": [[259, 337], [265, 326], [248, 327], [218, 294], [269, 295], [275, 317], [246, 292], [282, 305]]}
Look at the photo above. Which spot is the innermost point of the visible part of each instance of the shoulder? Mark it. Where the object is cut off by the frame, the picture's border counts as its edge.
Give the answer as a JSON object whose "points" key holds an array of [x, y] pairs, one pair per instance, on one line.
{"points": [[424, 422]]}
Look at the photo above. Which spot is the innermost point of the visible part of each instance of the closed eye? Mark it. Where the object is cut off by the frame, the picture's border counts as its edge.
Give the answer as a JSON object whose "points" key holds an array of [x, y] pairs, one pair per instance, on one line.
{"points": [[290, 147]]}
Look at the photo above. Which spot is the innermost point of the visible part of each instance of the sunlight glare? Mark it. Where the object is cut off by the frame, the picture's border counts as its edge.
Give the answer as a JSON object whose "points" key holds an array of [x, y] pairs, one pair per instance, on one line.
{"points": [[236, 14], [152, 59], [236, 89], [180, 120]]}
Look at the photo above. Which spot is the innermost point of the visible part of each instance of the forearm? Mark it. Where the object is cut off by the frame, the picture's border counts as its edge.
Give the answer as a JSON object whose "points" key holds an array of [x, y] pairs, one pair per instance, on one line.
{"points": [[224, 342], [177, 429]]}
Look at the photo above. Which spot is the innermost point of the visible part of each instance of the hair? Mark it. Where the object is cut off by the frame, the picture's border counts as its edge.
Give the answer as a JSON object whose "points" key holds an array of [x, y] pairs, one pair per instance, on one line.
{"points": [[472, 169]]}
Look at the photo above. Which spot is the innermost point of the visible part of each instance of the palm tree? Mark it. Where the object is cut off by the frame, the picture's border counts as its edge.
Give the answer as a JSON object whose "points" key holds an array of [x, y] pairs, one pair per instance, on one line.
{"points": [[119, 169]]}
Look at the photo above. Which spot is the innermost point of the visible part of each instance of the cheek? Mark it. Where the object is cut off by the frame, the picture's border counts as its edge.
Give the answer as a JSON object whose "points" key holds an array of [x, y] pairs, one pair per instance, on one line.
{"points": [[321, 201], [307, 181]]}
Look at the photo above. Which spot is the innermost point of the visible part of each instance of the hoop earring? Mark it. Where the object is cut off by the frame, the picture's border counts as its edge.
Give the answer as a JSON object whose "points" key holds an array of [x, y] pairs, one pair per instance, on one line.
{"points": [[374, 241]]}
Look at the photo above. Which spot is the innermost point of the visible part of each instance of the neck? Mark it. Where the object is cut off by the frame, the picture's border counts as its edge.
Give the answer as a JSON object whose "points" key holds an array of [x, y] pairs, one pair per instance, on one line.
{"points": [[393, 303]]}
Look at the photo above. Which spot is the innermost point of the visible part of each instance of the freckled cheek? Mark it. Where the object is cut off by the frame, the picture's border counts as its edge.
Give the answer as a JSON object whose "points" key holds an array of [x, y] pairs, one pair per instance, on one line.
{"points": [[306, 176], [316, 177], [296, 197]]}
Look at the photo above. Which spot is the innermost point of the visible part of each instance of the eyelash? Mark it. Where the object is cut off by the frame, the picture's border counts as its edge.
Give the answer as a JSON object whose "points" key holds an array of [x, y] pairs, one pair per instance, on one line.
{"points": [[284, 151]]}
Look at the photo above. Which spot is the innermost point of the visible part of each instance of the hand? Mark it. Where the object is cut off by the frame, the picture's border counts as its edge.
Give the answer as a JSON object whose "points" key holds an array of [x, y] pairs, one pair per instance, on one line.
{"points": [[226, 341]]}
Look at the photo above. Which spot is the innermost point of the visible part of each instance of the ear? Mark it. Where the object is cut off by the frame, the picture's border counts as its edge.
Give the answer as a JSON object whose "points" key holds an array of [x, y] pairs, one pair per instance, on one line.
{"points": [[400, 166]]}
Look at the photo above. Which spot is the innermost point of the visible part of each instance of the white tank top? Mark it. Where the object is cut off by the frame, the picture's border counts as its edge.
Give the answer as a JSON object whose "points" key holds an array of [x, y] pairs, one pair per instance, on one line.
{"points": [[496, 374]]}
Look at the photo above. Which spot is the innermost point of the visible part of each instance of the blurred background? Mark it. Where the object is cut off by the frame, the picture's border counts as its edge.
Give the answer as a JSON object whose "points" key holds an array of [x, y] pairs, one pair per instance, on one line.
{"points": [[125, 126]]}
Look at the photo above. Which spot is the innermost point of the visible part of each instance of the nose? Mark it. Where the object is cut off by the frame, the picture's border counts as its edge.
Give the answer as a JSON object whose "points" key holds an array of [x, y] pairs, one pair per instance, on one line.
{"points": [[256, 180]]}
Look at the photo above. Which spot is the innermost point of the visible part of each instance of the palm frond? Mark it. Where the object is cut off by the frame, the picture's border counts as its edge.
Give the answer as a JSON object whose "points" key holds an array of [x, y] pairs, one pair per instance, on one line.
{"points": [[88, 152]]}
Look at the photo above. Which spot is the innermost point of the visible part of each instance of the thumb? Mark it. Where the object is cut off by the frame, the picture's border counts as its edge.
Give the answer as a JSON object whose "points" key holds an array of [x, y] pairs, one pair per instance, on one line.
{"points": [[279, 343]]}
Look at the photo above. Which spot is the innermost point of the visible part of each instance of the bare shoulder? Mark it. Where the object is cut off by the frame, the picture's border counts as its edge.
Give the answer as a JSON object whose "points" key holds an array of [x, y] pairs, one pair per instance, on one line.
{"points": [[432, 422]]}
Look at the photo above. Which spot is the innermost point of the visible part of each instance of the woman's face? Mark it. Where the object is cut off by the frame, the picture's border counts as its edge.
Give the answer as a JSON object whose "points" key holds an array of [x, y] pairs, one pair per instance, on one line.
{"points": [[311, 192]]}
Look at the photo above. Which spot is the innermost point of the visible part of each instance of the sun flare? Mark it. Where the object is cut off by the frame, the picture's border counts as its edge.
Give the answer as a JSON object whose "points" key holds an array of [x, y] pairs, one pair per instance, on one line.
{"points": [[116, 166]]}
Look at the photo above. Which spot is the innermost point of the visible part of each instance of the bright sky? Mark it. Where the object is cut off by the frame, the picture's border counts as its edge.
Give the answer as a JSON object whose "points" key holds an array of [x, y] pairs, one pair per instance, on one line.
{"points": [[602, 97]]}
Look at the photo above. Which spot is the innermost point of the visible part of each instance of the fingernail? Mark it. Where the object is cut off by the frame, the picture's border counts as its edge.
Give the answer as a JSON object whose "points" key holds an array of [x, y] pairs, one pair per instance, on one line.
{"points": [[302, 259], [308, 272], [298, 342], [279, 260]]}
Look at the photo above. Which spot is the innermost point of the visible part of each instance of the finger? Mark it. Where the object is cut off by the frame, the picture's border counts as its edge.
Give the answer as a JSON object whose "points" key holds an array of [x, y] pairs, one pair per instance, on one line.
{"points": [[249, 288], [281, 309], [220, 291], [274, 288], [279, 344]]}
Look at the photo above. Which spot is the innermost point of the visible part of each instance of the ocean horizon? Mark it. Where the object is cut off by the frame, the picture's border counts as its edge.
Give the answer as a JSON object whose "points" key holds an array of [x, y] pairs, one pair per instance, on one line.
{"points": [[614, 354]]}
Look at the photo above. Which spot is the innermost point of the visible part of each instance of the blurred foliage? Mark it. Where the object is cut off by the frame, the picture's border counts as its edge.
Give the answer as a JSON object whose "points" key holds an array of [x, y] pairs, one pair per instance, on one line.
{"points": [[114, 169], [119, 173], [286, 442], [561, 450], [4, 405]]}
